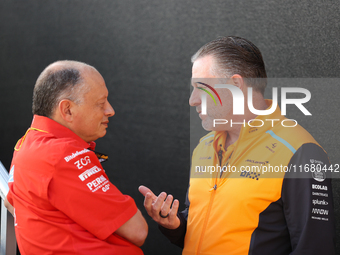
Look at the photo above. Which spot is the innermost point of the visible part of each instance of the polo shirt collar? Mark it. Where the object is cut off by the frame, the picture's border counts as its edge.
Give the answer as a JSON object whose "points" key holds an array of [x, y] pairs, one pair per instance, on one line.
{"points": [[50, 126]]}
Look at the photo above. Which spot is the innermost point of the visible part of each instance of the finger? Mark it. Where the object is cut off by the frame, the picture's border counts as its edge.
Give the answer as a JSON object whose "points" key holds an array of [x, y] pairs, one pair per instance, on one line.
{"points": [[144, 190], [166, 205], [173, 220], [174, 210], [148, 203], [157, 205]]}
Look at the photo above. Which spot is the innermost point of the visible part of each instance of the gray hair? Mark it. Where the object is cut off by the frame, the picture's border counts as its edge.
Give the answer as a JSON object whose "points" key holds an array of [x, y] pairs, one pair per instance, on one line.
{"points": [[236, 55], [55, 85]]}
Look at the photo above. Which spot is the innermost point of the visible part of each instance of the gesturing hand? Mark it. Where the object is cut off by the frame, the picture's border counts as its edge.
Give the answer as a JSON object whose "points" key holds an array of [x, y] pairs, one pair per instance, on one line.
{"points": [[159, 208]]}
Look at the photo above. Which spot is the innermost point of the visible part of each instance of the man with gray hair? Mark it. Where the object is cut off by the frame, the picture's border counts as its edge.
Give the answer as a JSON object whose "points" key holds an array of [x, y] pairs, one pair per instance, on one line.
{"points": [[60, 196], [234, 210]]}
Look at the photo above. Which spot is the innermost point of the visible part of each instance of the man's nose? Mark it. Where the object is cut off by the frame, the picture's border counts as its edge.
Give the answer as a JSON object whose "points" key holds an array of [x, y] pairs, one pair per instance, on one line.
{"points": [[109, 111], [195, 97]]}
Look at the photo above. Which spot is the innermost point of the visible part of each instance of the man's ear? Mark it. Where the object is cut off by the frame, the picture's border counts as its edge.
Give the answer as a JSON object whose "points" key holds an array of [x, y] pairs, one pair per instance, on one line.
{"points": [[238, 81], [65, 108]]}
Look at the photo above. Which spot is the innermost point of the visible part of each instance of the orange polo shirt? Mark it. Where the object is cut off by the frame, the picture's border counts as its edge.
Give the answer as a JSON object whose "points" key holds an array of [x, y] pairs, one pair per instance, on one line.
{"points": [[243, 200]]}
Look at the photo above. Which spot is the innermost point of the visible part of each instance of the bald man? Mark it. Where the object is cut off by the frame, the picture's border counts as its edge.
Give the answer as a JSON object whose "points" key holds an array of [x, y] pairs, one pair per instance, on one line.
{"points": [[62, 200]]}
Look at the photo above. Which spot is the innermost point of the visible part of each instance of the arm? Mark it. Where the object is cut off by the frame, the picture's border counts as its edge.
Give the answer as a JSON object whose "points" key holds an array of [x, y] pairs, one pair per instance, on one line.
{"points": [[9, 197], [9, 206], [114, 216], [308, 209], [134, 230]]}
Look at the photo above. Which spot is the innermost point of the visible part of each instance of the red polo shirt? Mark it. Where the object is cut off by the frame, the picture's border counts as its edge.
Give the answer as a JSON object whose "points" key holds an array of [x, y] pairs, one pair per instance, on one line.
{"points": [[64, 202]]}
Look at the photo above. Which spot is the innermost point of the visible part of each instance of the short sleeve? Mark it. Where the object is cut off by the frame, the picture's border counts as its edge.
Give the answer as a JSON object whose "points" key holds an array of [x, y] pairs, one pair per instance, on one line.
{"points": [[82, 191]]}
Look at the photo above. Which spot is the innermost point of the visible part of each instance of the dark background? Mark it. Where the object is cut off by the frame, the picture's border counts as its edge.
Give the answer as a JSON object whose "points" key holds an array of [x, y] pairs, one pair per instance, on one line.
{"points": [[143, 49]]}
